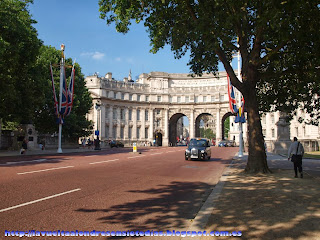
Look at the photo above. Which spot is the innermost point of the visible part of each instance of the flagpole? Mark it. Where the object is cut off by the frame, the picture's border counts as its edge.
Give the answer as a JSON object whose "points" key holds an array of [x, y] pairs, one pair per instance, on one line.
{"points": [[60, 98], [240, 154]]}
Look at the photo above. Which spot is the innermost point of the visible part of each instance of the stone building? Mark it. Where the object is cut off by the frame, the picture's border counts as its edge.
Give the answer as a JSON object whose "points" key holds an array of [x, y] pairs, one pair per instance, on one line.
{"points": [[150, 108]]}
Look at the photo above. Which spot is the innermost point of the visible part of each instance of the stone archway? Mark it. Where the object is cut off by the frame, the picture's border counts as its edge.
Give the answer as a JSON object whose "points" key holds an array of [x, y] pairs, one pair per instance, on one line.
{"points": [[209, 121], [225, 116], [173, 124]]}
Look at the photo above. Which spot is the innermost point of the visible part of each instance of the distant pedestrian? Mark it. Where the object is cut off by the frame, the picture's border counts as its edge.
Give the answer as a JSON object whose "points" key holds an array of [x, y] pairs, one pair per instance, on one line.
{"points": [[296, 152], [24, 146], [83, 142], [89, 143]]}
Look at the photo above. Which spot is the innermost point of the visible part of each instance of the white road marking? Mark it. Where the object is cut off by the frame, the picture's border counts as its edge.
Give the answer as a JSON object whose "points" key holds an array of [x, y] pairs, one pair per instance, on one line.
{"points": [[155, 154], [135, 157], [39, 200], [104, 161], [44, 170]]}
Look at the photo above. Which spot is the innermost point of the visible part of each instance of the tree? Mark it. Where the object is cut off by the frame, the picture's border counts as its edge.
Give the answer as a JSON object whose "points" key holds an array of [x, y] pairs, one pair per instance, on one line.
{"points": [[19, 46], [76, 125], [271, 35]]}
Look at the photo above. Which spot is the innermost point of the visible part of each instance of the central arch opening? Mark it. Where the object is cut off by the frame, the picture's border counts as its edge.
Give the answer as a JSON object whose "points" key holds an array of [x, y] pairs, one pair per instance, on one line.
{"points": [[205, 126], [178, 130]]}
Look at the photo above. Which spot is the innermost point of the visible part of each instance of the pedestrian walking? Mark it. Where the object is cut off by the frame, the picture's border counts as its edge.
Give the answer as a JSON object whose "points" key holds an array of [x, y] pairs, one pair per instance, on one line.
{"points": [[296, 152], [24, 146]]}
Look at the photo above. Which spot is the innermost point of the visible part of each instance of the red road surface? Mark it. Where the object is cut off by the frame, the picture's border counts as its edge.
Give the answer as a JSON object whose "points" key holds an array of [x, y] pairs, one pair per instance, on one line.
{"points": [[111, 190]]}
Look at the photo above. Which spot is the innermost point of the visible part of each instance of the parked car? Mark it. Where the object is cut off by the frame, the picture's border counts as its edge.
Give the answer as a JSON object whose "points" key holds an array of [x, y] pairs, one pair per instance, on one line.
{"points": [[199, 149], [222, 143], [116, 144], [231, 143]]}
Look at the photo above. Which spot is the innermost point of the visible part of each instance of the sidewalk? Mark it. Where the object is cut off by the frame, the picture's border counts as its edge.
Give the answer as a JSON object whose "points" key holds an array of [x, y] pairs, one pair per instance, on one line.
{"points": [[272, 206], [4, 153]]}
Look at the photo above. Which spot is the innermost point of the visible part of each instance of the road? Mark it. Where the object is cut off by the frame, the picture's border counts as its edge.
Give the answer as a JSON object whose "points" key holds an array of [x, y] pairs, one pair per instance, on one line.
{"points": [[113, 190]]}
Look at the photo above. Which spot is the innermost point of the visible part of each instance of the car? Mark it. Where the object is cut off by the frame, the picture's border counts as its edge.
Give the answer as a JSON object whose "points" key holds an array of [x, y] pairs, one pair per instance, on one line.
{"points": [[223, 143], [231, 143], [116, 144], [198, 149]]}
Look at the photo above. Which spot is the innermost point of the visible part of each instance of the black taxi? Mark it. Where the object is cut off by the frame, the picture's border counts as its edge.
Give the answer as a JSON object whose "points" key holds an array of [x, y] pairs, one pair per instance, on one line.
{"points": [[199, 149]]}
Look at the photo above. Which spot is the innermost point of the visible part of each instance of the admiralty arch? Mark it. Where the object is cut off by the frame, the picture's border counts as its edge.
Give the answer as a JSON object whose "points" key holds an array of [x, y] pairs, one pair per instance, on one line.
{"points": [[149, 109]]}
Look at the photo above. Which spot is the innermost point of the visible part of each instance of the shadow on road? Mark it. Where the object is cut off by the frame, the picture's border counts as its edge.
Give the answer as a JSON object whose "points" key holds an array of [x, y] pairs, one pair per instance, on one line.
{"points": [[163, 208]]}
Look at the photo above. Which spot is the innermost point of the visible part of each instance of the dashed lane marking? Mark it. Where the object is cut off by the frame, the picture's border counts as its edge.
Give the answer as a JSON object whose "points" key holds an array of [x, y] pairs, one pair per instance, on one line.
{"points": [[104, 161], [44, 170]]}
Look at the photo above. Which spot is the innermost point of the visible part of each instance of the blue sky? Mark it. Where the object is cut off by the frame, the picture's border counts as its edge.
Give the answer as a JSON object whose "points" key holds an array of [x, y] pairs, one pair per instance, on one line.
{"points": [[96, 46]]}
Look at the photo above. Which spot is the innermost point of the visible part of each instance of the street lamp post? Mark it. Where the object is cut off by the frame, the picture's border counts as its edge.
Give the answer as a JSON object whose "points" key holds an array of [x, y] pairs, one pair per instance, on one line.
{"points": [[97, 145], [240, 154]]}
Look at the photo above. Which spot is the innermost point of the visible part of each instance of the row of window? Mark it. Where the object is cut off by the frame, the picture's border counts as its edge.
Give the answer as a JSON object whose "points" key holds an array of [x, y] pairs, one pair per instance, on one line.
{"points": [[264, 132], [178, 99], [122, 129], [123, 114]]}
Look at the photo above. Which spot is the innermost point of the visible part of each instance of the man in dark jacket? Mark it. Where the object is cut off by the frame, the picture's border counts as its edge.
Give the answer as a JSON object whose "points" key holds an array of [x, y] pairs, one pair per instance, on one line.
{"points": [[296, 152]]}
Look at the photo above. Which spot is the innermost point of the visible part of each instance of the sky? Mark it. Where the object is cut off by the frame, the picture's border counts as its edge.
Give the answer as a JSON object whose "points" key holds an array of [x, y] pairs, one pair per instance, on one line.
{"points": [[96, 46]]}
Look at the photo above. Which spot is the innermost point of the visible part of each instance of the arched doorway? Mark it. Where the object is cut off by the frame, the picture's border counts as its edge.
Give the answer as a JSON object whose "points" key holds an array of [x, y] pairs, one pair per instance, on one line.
{"points": [[178, 129], [225, 129], [158, 137], [205, 126]]}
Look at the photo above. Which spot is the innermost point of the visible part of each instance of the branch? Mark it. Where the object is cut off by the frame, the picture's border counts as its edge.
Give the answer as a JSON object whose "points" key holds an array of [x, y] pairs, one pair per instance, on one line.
{"points": [[272, 52], [193, 14], [234, 80]]}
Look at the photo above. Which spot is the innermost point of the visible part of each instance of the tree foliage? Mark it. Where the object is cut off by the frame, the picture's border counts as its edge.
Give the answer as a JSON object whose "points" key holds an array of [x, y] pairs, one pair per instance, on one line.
{"points": [[19, 46], [277, 41]]}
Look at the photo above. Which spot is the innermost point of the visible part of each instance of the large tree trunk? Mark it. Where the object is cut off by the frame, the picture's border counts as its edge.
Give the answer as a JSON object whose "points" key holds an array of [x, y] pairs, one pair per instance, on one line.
{"points": [[257, 159]]}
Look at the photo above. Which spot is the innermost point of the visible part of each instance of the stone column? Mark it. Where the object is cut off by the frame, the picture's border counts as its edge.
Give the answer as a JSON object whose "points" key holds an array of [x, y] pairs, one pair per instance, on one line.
{"points": [[103, 122], [143, 124], [218, 127], [191, 124], [118, 122], [111, 123], [165, 140], [134, 127], [151, 120], [126, 126]]}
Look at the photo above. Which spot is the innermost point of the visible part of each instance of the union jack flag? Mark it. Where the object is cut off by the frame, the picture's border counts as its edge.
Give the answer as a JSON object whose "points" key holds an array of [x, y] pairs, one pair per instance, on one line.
{"points": [[233, 103], [64, 101], [232, 97], [70, 92]]}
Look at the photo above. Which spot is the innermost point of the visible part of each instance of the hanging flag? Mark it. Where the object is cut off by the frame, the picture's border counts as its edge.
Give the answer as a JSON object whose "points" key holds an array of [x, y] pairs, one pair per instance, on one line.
{"points": [[56, 110], [232, 97], [233, 103], [70, 92], [64, 101]]}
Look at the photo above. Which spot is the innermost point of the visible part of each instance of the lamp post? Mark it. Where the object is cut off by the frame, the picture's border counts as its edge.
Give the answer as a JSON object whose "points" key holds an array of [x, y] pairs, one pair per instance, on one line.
{"points": [[240, 154], [97, 145]]}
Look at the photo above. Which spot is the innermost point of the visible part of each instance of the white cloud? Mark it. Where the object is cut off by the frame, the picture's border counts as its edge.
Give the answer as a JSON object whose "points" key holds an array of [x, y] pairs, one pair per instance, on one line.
{"points": [[93, 55], [118, 59]]}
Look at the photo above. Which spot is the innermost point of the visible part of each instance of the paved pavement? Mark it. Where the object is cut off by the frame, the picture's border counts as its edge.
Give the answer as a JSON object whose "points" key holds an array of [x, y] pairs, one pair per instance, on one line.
{"points": [[4, 153], [264, 206]]}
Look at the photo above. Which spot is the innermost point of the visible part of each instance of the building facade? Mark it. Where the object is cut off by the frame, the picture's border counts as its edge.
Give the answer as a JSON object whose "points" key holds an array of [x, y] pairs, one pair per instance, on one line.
{"points": [[150, 109]]}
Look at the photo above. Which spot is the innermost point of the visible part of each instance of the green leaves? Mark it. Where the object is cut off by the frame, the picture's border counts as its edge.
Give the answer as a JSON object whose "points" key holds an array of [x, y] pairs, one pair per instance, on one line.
{"points": [[278, 40], [19, 46], [25, 81]]}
